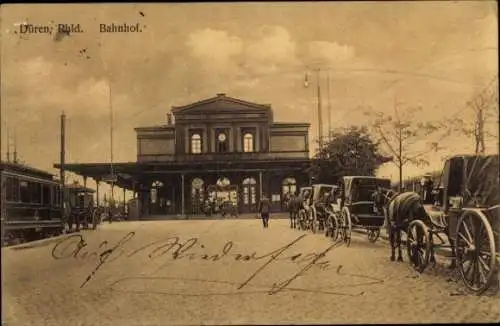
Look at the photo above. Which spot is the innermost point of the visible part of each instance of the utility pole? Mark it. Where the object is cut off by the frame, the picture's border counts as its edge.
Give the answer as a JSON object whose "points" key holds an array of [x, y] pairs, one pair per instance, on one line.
{"points": [[111, 140], [329, 107], [8, 137], [62, 164], [320, 116], [8, 146], [15, 147]]}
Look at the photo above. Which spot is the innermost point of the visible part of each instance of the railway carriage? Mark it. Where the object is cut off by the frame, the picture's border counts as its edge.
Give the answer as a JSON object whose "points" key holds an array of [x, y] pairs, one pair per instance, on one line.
{"points": [[30, 204]]}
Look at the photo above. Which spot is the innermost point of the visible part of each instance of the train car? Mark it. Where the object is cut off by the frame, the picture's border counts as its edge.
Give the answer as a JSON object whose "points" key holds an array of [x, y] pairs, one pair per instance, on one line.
{"points": [[30, 204]]}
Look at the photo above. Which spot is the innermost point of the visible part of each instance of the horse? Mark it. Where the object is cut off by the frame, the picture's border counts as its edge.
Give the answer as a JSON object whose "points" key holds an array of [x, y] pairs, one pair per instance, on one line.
{"points": [[400, 209], [294, 205]]}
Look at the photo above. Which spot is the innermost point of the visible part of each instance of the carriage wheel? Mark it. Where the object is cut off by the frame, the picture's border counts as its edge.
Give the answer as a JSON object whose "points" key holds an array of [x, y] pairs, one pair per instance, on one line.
{"points": [[334, 227], [301, 217], [346, 227], [475, 250], [373, 235], [418, 245], [314, 222], [327, 225]]}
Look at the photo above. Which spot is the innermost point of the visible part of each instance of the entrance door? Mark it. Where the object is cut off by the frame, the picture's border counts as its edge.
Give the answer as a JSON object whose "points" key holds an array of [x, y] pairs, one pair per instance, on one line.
{"points": [[249, 203], [197, 196], [289, 187]]}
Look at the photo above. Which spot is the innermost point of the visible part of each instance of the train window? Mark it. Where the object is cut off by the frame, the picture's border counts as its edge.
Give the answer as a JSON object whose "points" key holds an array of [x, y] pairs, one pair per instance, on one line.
{"points": [[35, 190], [46, 195], [24, 191], [56, 195], [12, 189]]}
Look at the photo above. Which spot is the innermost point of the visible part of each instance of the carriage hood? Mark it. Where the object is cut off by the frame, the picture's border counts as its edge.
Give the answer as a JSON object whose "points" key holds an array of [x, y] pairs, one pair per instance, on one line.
{"points": [[481, 184]]}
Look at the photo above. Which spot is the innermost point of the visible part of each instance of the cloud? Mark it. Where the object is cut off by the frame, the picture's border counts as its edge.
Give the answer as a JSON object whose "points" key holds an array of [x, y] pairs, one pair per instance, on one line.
{"points": [[322, 52], [36, 68], [273, 47], [214, 46]]}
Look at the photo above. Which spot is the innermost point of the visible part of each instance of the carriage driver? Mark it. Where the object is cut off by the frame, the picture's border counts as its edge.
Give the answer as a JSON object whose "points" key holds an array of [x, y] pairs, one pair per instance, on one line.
{"points": [[427, 187]]}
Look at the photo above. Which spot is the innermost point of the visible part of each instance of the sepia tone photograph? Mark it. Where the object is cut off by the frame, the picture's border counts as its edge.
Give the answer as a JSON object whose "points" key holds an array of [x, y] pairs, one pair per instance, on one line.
{"points": [[250, 163]]}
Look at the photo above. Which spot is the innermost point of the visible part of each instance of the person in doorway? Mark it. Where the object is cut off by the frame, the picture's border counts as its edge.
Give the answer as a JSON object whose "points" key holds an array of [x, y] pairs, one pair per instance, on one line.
{"points": [[264, 210]]}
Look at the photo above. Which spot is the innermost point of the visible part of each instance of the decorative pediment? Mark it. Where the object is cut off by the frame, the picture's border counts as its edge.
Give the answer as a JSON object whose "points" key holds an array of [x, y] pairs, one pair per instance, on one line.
{"points": [[221, 104]]}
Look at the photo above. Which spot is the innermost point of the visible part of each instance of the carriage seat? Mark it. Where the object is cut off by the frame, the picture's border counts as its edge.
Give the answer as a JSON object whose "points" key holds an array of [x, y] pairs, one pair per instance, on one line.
{"points": [[436, 216]]}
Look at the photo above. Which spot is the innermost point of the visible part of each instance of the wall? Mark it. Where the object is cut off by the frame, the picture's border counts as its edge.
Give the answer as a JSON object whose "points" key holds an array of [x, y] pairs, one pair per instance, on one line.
{"points": [[288, 143], [156, 146], [155, 141]]}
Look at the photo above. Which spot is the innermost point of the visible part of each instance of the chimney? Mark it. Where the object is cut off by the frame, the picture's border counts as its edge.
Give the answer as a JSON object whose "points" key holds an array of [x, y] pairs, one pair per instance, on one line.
{"points": [[221, 94], [169, 118]]}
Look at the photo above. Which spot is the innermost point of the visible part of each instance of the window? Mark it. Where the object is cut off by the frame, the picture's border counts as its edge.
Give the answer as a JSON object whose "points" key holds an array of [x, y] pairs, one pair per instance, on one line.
{"points": [[222, 143], [197, 186], [195, 144], [24, 191], [46, 195], [223, 182], [12, 189], [57, 195], [154, 191], [289, 186], [35, 192], [248, 143]]}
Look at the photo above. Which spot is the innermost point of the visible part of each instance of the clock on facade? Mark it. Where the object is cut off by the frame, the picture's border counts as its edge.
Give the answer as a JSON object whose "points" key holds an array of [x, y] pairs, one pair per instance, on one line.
{"points": [[222, 137]]}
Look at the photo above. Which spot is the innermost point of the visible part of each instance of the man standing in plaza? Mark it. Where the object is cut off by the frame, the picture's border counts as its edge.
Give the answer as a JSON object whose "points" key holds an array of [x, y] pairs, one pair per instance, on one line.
{"points": [[264, 210]]}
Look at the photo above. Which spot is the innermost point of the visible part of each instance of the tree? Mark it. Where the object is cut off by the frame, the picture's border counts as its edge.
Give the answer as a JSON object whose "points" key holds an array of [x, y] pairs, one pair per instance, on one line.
{"points": [[349, 151], [404, 137], [485, 106]]}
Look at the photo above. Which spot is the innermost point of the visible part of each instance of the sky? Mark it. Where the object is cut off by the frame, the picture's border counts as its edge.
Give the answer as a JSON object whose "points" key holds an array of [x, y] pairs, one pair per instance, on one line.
{"points": [[434, 55]]}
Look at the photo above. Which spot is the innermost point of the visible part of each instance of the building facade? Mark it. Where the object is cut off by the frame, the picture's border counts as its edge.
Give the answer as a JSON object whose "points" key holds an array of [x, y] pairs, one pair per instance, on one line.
{"points": [[221, 147]]}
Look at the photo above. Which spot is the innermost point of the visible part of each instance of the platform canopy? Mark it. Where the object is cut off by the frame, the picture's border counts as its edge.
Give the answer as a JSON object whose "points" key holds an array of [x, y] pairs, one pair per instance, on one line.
{"points": [[129, 173]]}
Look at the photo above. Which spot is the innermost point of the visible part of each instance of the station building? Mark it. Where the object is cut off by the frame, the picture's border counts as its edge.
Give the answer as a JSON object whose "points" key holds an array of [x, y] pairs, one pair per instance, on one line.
{"points": [[223, 147]]}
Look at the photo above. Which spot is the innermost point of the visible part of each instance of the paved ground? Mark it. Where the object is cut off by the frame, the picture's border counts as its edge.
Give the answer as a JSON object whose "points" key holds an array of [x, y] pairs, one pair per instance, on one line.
{"points": [[150, 287]]}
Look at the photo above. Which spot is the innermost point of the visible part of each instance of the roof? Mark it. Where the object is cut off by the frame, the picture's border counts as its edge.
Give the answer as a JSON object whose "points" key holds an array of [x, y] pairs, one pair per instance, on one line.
{"points": [[323, 185], [25, 169], [466, 156], [79, 188], [288, 124], [156, 128], [221, 98], [353, 177]]}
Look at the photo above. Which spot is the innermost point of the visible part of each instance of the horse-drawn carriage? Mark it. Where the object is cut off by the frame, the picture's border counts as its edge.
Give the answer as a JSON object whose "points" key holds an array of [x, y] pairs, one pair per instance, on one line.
{"points": [[355, 208], [304, 208], [80, 207], [320, 206], [466, 209]]}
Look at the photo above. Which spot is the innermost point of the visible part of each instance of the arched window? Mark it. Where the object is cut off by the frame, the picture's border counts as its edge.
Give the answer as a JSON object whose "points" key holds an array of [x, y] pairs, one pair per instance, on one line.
{"points": [[289, 185], [249, 191], [248, 143], [154, 191], [249, 181], [223, 182], [195, 144], [197, 185], [197, 195]]}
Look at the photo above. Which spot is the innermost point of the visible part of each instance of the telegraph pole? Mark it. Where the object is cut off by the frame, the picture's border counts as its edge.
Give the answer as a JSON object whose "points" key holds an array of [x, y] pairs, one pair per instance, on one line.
{"points": [[62, 164], [320, 116], [15, 147], [111, 140], [8, 146], [329, 107]]}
